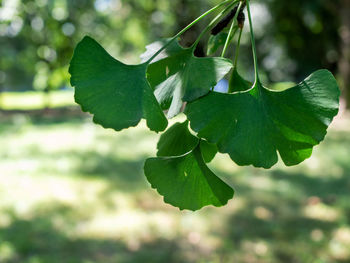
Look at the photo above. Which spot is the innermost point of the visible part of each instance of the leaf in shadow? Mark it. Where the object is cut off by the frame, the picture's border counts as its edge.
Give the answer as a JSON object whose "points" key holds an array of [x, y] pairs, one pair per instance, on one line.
{"points": [[178, 140], [215, 42], [237, 83]]}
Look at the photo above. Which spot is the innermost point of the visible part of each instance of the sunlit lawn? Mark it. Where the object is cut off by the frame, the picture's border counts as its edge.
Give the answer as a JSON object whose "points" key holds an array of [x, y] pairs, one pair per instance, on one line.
{"points": [[73, 192], [32, 100]]}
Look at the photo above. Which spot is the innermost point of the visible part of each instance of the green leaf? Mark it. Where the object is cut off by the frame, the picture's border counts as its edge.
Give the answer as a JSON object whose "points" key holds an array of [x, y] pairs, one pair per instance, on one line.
{"points": [[208, 150], [251, 126], [183, 77], [173, 49], [118, 95], [215, 42], [176, 141], [237, 83], [186, 182]]}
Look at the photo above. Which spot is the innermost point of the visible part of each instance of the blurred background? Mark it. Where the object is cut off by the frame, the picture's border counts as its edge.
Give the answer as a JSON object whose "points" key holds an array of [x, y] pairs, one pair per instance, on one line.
{"points": [[73, 192]]}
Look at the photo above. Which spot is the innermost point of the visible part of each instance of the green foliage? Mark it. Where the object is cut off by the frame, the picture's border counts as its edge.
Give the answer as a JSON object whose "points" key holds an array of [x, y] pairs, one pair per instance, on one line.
{"points": [[209, 150], [252, 125], [181, 77], [117, 94], [176, 141], [215, 42], [168, 144], [186, 182], [237, 83], [249, 123], [37, 39]]}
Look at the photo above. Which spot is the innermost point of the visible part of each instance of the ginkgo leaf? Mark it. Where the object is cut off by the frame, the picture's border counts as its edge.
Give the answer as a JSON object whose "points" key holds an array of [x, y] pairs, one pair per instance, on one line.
{"points": [[183, 77], [173, 49], [186, 182], [208, 150], [237, 83], [176, 141], [118, 95], [215, 42], [251, 126]]}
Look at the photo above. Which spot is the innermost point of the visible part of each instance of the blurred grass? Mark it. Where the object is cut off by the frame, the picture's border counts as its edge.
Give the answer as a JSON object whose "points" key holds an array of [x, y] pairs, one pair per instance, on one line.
{"points": [[33, 100], [74, 192]]}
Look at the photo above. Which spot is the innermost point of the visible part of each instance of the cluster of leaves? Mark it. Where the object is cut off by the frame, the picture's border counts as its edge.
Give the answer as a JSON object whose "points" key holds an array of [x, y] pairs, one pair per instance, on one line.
{"points": [[251, 123]]}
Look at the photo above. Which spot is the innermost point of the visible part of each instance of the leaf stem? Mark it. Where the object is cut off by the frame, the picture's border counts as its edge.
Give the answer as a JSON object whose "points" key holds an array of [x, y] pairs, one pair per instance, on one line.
{"points": [[188, 27], [237, 47], [257, 79], [228, 39], [213, 22]]}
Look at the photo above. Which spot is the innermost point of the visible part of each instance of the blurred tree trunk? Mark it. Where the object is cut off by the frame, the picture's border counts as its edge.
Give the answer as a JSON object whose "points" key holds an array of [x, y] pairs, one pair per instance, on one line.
{"points": [[344, 61], [1, 98], [46, 98]]}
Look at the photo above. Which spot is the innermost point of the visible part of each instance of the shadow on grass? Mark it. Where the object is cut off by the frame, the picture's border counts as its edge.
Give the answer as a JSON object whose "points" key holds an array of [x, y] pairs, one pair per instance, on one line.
{"points": [[42, 239], [124, 175], [41, 117], [294, 224], [271, 226]]}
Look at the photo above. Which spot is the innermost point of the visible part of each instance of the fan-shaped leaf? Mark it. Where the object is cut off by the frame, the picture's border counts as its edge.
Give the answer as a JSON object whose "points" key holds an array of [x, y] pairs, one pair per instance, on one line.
{"points": [[176, 141], [118, 95], [215, 42], [208, 150], [237, 83], [183, 77], [186, 182], [173, 49], [251, 126]]}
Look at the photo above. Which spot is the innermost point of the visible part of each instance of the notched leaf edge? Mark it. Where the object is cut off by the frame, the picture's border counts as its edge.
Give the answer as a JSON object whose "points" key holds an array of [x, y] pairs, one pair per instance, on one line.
{"points": [[180, 207]]}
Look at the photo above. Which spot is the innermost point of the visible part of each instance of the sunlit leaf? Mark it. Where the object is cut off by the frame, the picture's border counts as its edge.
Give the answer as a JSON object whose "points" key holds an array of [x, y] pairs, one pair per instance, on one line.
{"points": [[118, 95], [186, 182], [183, 77], [251, 126], [173, 49]]}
